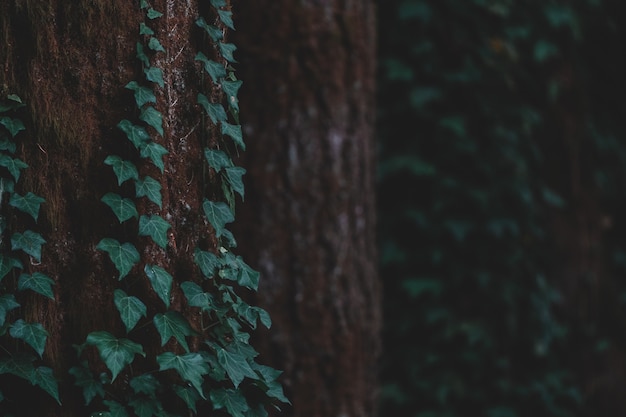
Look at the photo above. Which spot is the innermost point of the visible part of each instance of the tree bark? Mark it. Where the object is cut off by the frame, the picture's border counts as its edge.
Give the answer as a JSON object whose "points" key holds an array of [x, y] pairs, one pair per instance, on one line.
{"points": [[308, 111]]}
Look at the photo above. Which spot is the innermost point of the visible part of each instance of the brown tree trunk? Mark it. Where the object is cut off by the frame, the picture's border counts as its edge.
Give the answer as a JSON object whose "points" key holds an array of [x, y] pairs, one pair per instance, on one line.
{"points": [[308, 111]]}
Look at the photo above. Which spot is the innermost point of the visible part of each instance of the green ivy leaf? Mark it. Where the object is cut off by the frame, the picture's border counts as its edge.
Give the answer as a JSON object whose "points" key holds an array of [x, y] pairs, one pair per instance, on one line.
{"points": [[218, 214], [195, 296], [115, 409], [214, 69], [173, 324], [115, 353], [124, 170], [124, 256], [236, 365], [226, 16], [227, 50], [20, 365], [188, 395], [28, 203], [84, 379], [153, 14], [217, 159], [145, 384], [38, 282], [7, 145], [218, 3], [234, 176], [7, 303], [234, 131], [14, 126], [142, 94], [15, 102], [155, 75], [44, 379], [141, 55], [145, 30], [131, 308], [207, 261], [190, 366], [215, 111], [137, 135], [155, 227], [155, 45], [155, 153], [270, 377], [14, 165], [247, 277], [32, 333], [214, 32], [7, 263], [232, 400], [161, 282], [124, 208], [153, 118], [145, 407], [150, 188], [231, 89], [30, 242]]}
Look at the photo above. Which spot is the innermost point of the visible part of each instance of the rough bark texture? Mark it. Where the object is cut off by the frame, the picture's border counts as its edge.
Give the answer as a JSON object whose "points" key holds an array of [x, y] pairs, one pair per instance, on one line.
{"points": [[308, 115]]}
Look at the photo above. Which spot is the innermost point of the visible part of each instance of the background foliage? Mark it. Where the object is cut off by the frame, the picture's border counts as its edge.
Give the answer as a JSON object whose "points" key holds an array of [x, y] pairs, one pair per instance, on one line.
{"points": [[501, 185]]}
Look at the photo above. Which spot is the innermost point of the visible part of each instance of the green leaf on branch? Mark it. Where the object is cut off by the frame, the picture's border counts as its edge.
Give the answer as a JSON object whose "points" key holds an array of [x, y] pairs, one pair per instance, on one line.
{"points": [[38, 282], [32, 333], [153, 118], [14, 126], [150, 188], [154, 152], [189, 395], [7, 303], [234, 176], [84, 379], [230, 399], [155, 45], [231, 89], [214, 32], [124, 256], [226, 17], [124, 170], [218, 214], [44, 379], [234, 131], [146, 407], [20, 365], [115, 353], [155, 227], [190, 366], [145, 384], [214, 69], [13, 165], [153, 14], [195, 296], [7, 263], [124, 208], [161, 282], [207, 261], [215, 111], [236, 365], [217, 159], [218, 3], [227, 50], [270, 378], [145, 30], [141, 55], [29, 203], [155, 75], [30, 242], [115, 409], [131, 308], [7, 145], [137, 135], [173, 324]]}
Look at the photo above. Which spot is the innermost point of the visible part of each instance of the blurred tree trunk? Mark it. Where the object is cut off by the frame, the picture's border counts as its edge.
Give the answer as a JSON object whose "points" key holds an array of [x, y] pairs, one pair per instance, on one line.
{"points": [[308, 112]]}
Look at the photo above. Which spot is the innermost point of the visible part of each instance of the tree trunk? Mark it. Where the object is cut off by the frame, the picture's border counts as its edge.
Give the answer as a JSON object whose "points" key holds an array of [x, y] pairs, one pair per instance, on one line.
{"points": [[69, 62], [308, 110]]}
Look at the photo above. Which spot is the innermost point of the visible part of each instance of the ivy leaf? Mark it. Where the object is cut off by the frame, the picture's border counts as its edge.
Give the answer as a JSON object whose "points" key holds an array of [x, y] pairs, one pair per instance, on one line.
{"points": [[153, 118], [84, 379], [231, 89], [190, 366], [214, 32], [145, 30], [115, 353], [188, 395], [207, 261], [141, 55], [232, 400], [38, 282], [124, 208], [217, 159], [153, 14], [7, 145], [214, 69], [30, 242], [226, 17], [154, 74], [227, 50], [44, 379], [218, 215], [234, 131], [215, 111], [234, 175], [155, 227], [218, 3], [131, 308], [236, 366], [124, 256], [155, 45], [124, 170], [195, 296], [247, 277], [145, 407], [137, 135], [14, 126], [270, 377], [14, 165], [161, 282], [115, 409], [20, 365], [145, 384], [28, 203], [32, 333], [7, 263], [173, 324], [149, 187], [155, 153], [7, 303]]}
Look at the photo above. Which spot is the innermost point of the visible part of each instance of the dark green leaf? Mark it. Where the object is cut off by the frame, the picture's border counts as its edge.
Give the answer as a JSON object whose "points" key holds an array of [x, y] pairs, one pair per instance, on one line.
{"points": [[218, 3], [214, 69], [218, 214], [234, 131], [7, 145], [207, 261], [38, 282], [145, 407], [161, 282], [190, 366], [227, 50], [124, 256], [247, 276], [124, 208], [131, 308], [234, 175], [44, 379], [29, 203], [231, 89], [145, 384], [145, 30], [189, 396], [232, 400], [141, 55], [149, 187], [115, 353], [14, 126], [153, 118], [115, 409], [32, 333], [7, 303], [124, 170], [235, 365], [153, 14], [7, 263], [137, 135], [215, 111], [173, 324], [20, 365], [84, 379], [195, 296], [155, 227], [226, 17], [13, 165], [30, 242], [154, 152], [214, 32], [155, 45], [217, 159], [154, 74]]}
